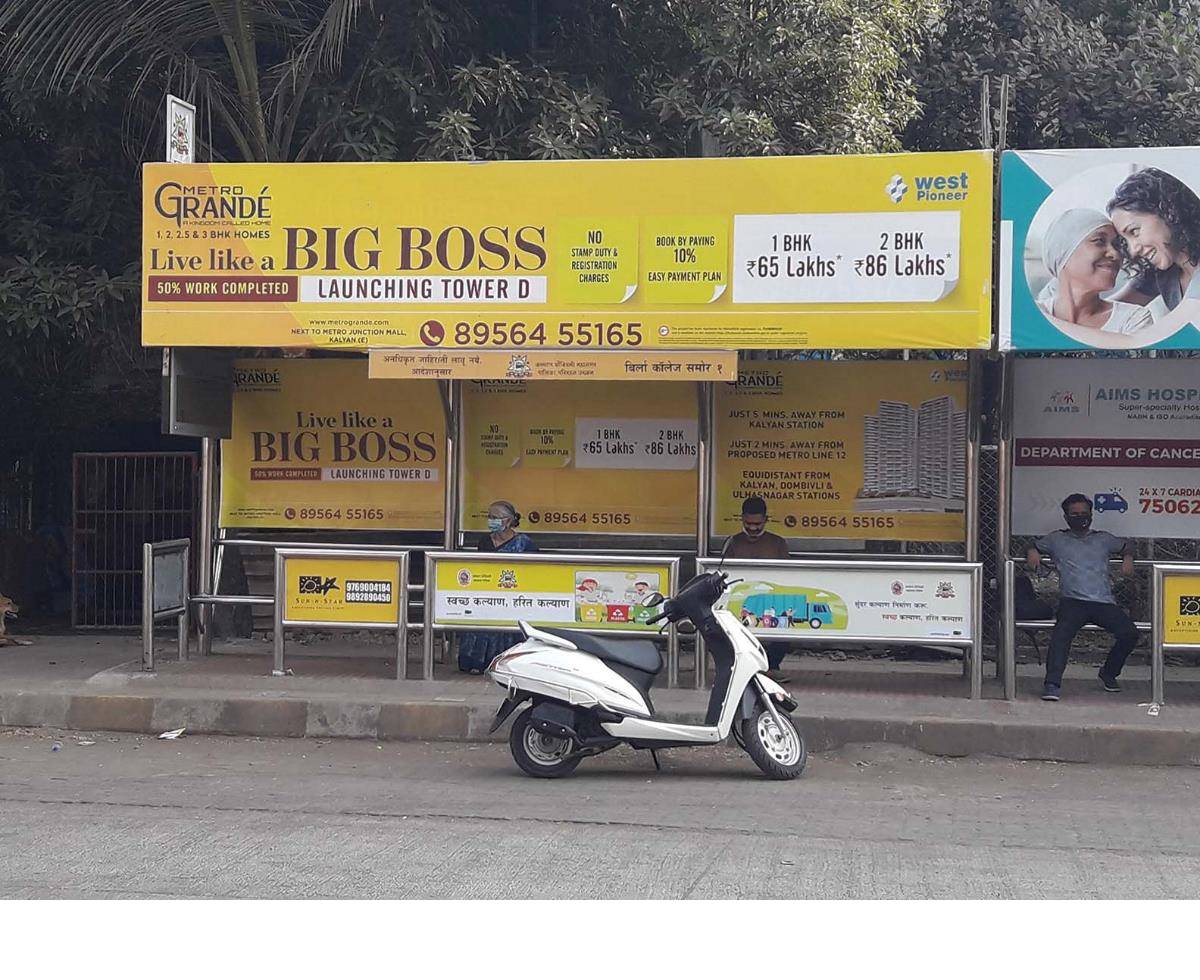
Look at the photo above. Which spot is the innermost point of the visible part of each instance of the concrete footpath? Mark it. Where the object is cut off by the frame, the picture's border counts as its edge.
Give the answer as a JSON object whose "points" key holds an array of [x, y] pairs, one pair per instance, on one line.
{"points": [[347, 689]]}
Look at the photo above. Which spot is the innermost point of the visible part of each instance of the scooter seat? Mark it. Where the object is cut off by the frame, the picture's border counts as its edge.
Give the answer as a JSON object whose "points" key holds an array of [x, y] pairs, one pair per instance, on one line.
{"points": [[638, 654]]}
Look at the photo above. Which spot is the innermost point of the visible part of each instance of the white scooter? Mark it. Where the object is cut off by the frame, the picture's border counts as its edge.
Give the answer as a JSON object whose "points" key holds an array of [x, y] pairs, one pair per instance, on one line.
{"points": [[592, 693]]}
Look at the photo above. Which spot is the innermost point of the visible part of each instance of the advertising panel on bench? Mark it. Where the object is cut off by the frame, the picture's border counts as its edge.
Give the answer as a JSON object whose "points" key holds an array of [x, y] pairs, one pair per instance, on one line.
{"points": [[582, 593], [355, 591], [1180, 608], [814, 600]]}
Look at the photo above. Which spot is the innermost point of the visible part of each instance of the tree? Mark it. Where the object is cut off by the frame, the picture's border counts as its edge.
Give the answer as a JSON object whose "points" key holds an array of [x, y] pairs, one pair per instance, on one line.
{"points": [[250, 63], [1085, 73]]}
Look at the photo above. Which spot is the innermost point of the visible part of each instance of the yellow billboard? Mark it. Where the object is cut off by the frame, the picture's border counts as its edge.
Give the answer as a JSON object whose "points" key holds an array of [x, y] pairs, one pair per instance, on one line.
{"points": [[1181, 609], [493, 591], [340, 589], [615, 458], [886, 251], [316, 444], [458, 365], [845, 449]]}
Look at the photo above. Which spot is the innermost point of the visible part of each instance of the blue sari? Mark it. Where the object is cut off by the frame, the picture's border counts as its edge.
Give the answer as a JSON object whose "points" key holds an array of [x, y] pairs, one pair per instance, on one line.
{"points": [[477, 650]]}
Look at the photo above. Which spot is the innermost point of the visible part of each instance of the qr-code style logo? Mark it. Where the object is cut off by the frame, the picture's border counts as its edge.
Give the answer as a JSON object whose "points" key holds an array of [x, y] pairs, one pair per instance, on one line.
{"points": [[1189, 605], [373, 593], [317, 585]]}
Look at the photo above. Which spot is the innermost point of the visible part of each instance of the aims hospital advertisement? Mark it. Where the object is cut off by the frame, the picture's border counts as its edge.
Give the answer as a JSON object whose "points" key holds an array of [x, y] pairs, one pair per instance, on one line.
{"points": [[887, 251], [1125, 433]]}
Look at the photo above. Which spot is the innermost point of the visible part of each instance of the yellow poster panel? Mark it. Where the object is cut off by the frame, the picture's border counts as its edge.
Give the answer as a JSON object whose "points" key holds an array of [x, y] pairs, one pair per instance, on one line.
{"points": [[494, 592], [886, 251], [616, 458], [316, 444], [1181, 609], [863, 450], [342, 590], [555, 365]]}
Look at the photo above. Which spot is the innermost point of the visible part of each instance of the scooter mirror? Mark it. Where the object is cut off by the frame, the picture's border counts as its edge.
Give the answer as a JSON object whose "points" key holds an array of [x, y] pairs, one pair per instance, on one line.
{"points": [[653, 599]]}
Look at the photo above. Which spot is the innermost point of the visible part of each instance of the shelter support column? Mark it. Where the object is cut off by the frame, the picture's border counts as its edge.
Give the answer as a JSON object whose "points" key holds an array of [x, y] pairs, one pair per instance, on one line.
{"points": [[208, 501]]}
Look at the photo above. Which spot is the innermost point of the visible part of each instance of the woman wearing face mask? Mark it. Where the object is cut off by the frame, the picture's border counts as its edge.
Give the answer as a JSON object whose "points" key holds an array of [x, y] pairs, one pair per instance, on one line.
{"points": [[477, 650], [1158, 219], [1080, 251]]}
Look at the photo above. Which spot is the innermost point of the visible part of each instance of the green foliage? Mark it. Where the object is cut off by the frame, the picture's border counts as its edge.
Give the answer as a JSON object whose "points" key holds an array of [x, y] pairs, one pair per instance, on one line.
{"points": [[1085, 73]]}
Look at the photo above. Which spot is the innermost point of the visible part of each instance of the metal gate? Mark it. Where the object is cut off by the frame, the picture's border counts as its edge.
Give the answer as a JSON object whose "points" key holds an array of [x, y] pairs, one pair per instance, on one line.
{"points": [[122, 501]]}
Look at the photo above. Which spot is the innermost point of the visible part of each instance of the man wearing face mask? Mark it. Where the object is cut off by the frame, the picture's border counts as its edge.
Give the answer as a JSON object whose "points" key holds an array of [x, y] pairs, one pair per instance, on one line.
{"points": [[1081, 556], [755, 541]]}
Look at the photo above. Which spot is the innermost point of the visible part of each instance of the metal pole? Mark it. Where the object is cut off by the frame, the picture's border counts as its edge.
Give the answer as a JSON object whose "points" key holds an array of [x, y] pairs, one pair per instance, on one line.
{"points": [[184, 618], [427, 635], [402, 619], [974, 408], [1006, 661], [1004, 499], [280, 593], [451, 393], [1157, 685], [147, 606], [704, 391], [701, 664], [208, 493], [976, 651]]}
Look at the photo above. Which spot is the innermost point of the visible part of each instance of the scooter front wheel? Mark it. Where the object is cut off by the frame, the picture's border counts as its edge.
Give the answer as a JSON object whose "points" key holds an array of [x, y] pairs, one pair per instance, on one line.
{"points": [[779, 752], [537, 753]]}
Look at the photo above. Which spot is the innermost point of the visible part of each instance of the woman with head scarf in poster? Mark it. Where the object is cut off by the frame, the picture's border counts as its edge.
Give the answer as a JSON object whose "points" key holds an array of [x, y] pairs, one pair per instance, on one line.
{"points": [[1158, 218], [477, 650], [1080, 251]]}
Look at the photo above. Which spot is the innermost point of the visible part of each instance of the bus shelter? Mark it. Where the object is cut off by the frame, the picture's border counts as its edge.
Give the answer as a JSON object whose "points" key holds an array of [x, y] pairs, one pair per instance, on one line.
{"points": [[1100, 389], [626, 350]]}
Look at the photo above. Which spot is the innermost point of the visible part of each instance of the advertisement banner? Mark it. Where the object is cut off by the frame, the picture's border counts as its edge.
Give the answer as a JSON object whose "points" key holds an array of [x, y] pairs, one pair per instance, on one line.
{"points": [[1181, 609], [1098, 249], [863, 450], [1124, 433], [618, 458], [555, 365], [342, 590], [497, 591], [317, 445], [702, 253], [781, 600]]}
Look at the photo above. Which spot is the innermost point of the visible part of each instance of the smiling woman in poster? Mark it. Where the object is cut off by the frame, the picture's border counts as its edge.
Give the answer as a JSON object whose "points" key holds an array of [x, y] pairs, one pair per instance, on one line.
{"points": [[1080, 252], [1158, 218]]}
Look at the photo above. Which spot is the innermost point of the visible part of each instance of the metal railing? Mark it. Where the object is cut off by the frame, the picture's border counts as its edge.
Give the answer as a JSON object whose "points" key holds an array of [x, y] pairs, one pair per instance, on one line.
{"points": [[971, 645], [431, 626], [282, 622], [165, 573]]}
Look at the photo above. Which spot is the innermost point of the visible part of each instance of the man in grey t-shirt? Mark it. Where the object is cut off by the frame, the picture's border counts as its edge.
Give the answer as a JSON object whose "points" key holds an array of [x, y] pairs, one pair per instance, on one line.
{"points": [[1081, 556]]}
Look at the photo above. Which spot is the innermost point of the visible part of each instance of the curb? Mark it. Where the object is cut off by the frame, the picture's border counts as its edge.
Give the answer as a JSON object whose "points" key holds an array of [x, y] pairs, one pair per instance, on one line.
{"points": [[323, 717]]}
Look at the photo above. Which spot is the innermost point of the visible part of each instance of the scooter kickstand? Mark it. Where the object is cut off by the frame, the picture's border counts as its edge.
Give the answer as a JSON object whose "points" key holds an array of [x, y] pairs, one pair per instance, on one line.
{"points": [[654, 756]]}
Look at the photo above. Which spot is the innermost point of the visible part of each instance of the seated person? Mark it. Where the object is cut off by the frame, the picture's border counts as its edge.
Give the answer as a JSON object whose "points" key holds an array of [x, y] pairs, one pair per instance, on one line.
{"points": [[755, 541], [1081, 556]]}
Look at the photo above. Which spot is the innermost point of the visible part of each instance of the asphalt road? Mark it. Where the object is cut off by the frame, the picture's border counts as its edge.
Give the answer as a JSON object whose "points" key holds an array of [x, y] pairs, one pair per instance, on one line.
{"points": [[131, 816]]}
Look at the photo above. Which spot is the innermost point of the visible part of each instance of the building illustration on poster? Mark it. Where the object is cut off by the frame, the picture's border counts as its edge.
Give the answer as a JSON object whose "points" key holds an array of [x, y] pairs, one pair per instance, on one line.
{"points": [[914, 458]]}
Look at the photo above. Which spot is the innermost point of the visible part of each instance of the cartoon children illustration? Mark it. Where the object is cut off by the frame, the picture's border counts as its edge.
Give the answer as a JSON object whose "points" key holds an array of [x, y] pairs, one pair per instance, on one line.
{"points": [[636, 595], [589, 591]]}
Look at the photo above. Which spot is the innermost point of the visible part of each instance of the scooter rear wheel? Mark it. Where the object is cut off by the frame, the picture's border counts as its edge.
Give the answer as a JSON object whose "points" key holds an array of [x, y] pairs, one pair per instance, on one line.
{"points": [[539, 754], [779, 753]]}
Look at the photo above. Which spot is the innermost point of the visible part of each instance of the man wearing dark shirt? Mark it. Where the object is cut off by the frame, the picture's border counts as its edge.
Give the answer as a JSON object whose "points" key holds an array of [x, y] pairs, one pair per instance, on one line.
{"points": [[756, 542], [1081, 556]]}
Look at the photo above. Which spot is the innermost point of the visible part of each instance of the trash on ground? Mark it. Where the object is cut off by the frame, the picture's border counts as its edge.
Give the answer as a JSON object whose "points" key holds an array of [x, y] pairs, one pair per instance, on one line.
{"points": [[85, 741], [173, 734], [56, 746]]}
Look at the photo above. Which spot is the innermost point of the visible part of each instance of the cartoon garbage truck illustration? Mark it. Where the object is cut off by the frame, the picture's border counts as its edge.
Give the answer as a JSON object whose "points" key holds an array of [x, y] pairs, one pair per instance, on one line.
{"points": [[798, 608]]}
